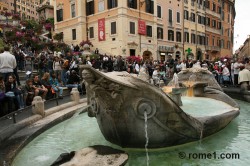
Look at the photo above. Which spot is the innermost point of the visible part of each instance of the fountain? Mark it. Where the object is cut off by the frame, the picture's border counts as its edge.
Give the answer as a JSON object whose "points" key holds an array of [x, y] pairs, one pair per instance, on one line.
{"points": [[149, 118], [119, 102]]}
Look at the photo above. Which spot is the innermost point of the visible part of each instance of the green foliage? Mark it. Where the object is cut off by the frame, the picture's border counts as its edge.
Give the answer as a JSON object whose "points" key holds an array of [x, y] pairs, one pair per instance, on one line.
{"points": [[50, 20], [58, 37]]}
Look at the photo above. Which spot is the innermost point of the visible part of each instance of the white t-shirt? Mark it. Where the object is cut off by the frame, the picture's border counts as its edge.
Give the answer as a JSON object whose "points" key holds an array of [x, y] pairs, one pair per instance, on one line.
{"points": [[236, 67]]}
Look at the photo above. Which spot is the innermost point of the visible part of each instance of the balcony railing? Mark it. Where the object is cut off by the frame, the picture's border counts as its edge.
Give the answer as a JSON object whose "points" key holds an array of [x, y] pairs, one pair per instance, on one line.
{"points": [[213, 48], [213, 13], [213, 30]]}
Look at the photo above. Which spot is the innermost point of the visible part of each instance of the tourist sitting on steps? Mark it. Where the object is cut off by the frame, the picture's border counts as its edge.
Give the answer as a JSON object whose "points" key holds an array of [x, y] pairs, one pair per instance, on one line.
{"points": [[30, 92], [74, 81], [12, 91], [40, 90], [55, 85]]}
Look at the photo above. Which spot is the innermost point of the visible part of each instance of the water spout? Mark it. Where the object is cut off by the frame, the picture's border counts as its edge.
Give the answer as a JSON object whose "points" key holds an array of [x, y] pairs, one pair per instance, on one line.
{"points": [[146, 136], [176, 81]]}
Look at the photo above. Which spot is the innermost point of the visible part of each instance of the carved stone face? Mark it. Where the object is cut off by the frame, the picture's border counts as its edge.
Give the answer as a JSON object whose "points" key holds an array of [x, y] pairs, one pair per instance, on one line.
{"points": [[88, 76]]}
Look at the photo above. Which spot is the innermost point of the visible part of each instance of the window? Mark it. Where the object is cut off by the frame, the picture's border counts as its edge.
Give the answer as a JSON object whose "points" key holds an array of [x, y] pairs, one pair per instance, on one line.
{"points": [[186, 34], [219, 9], [218, 42], [213, 23], [113, 28], [213, 41], [178, 36], [158, 11], [73, 10], [132, 4], [219, 25], [170, 15], [222, 16], [170, 35], [149, 31], [208, 5], [150, 6], [89, 7], [193, 17], [73, 34], [222, 43], [101, 5], [91, 32], [208, 21], [59, 15], [132, 27], [178, 19], [159, 33], [185, 14], [228, 18], [214, 7], [112, 4], [192, 2], [193, 38], [228, 45]]}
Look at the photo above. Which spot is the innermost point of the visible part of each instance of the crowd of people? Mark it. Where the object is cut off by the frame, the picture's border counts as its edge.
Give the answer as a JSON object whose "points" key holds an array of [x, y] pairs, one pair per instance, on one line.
{"points": [[56, 70]]}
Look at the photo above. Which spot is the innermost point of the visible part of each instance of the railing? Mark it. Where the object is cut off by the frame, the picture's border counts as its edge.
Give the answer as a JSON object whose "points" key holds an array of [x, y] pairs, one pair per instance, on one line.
{"points": [[14, 114], [213, 48], [213, 30], [213, 13]]}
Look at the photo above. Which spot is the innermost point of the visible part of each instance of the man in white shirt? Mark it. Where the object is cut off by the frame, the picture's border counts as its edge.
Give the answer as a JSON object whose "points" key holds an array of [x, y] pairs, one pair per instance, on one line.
{"points": [[236, 67], [225, 75], [7, 63], [244, 78]]}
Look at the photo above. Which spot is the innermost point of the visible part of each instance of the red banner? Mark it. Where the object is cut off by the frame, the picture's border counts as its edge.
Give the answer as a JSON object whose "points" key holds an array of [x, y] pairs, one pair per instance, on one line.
{"points": [[101, 29], [141, 27]]}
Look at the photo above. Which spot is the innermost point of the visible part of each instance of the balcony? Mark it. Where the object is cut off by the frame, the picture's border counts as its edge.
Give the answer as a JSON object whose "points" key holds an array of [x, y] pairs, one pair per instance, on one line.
{"points": [[213, 48], [213, 30], [213, 13]]}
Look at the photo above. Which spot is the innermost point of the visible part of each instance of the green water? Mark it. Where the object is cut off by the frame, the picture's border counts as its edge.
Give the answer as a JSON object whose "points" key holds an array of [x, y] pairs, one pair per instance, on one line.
{"points": [[82, 131]]}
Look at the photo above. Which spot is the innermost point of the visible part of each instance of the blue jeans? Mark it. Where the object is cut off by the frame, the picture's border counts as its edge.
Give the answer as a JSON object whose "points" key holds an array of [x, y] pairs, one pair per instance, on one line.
{"points": [[60, 89], [64, 77]]}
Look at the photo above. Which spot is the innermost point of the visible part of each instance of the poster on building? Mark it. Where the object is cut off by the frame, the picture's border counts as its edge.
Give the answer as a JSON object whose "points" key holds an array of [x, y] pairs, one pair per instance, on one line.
{"points": [[101, 29], [141, 27]]}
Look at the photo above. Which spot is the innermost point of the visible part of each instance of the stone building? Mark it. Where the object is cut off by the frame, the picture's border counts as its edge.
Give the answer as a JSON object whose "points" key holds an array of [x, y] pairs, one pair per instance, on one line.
{"points": [[170, 29], [197, 29], [244, 50], [194, 29], [26, 8]]}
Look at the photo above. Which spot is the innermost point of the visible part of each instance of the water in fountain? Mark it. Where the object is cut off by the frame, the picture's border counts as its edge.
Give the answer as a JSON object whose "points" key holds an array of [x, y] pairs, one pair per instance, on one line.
{"points": [[192, 79], [84, 131], [146, 136]]}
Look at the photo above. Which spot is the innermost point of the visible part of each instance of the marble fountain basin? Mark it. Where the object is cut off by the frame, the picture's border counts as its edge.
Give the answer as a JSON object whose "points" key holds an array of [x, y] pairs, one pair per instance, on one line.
{"points": [[119, 102]]}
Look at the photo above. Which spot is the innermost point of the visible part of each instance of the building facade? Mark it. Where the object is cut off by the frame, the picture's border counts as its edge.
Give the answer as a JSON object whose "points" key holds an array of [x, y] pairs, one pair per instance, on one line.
{"points": [[244, 50], [170, 29], [194, 29], [26, 8], [3, 5], [45, 10], [197, 29]]}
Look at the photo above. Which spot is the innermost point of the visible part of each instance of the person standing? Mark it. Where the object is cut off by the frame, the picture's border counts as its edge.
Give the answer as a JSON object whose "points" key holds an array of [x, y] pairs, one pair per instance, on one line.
{"points": [[237, 66], [7, 63], [244, 78]]}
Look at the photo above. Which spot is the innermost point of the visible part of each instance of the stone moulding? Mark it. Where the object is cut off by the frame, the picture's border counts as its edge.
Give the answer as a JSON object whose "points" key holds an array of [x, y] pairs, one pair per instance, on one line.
{"points": [[118, 101]]}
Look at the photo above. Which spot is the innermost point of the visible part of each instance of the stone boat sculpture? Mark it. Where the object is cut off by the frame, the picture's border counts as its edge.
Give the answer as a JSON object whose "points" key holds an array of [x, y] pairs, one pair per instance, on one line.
{"points": [[119, 101]]}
